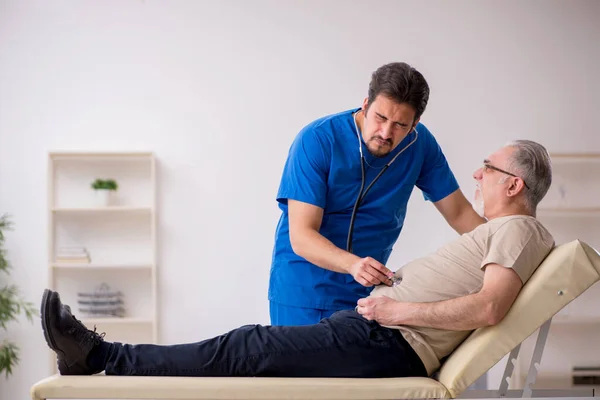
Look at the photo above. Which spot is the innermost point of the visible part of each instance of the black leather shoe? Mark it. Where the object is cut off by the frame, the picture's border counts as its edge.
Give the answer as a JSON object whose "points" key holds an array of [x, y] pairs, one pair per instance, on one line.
{"points": [[67, 336]]}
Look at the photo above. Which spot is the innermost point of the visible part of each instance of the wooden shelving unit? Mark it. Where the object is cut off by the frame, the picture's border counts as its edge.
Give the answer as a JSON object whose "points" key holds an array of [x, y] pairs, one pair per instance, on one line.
{"points": [[121, 238]]}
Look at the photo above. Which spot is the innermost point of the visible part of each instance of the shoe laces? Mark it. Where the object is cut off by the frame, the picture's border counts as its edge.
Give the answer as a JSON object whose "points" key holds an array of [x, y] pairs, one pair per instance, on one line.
{"points": [[93, 337], [86, 336]]}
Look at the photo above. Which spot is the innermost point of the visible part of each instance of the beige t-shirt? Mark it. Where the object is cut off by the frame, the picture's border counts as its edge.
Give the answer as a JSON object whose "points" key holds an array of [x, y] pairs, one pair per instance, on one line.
{"points": [[519, 242]]}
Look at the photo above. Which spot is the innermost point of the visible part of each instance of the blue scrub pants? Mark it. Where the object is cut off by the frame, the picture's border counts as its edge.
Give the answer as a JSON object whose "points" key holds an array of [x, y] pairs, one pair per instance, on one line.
{"points": [[287, 315], [345, 345]]}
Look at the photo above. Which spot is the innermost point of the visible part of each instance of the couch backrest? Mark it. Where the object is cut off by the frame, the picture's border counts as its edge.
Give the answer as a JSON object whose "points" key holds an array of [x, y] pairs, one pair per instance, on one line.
{"points": [[568, 271]]}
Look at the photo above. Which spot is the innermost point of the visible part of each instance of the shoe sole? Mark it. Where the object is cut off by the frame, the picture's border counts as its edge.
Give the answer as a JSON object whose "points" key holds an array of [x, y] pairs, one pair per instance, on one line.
{"points": [[45, 322]]}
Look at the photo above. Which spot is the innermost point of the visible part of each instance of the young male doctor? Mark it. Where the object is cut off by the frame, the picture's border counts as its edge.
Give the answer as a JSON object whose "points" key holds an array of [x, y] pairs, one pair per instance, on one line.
{"points": [[344, 193]]}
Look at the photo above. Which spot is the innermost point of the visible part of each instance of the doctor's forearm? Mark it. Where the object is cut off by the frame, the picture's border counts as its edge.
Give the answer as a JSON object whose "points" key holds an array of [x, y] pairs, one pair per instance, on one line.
{"points": [[315, 248], [466, 220]]}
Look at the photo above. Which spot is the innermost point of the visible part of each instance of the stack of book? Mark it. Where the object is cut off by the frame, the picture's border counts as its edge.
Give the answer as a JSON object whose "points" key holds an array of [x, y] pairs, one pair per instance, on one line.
{"points": [[72, 254], [103, 302]]}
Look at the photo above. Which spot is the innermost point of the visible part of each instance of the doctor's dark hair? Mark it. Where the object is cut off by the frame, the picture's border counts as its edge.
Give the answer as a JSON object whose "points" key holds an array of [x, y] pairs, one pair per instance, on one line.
{"points": [[402, 83], [532, 163]]}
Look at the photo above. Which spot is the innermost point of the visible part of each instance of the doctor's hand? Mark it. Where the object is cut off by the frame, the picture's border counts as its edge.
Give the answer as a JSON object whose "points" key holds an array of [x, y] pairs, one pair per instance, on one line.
{"points": [[370, 272], [382, 309]]}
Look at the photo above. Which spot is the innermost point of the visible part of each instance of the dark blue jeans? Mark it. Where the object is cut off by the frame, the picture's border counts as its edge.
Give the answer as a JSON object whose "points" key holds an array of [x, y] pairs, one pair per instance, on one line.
{"points": [[344, 345]]}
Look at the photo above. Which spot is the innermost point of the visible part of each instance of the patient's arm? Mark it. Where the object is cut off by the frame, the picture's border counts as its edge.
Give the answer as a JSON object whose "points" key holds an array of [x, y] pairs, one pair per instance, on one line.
{"points": [[487, 307]]}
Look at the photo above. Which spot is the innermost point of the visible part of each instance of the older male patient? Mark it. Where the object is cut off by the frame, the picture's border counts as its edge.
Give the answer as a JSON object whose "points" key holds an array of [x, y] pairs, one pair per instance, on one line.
{"points": [[398, 331]]}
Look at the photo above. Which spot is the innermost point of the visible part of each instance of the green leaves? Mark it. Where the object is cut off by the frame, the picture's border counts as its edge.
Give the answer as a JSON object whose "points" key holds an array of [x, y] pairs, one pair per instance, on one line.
{"points": [[109, 184], [5, 224], [9, 357], [12, 305]]}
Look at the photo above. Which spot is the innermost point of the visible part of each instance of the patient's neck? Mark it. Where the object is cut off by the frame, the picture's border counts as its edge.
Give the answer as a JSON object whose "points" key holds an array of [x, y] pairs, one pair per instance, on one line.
{"points": [[505, 210]]}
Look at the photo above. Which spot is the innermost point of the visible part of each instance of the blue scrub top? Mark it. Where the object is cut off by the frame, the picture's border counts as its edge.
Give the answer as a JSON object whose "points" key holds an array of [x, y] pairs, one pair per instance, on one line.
{"points": [[323, 169]]}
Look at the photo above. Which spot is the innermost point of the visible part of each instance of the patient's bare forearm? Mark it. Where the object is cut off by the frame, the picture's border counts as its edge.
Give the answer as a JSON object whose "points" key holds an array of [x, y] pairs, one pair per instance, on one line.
{"points": [[316, 249], [462, 313]]}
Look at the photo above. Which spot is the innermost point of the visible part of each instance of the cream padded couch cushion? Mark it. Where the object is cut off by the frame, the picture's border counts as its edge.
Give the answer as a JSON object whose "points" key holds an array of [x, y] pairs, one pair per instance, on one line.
{"points": [[570, 269], [135, 387]]}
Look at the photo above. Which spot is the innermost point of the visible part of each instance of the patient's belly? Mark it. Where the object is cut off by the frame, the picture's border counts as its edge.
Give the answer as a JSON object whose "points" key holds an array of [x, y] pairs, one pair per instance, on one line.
{"points": [[433, 278]]}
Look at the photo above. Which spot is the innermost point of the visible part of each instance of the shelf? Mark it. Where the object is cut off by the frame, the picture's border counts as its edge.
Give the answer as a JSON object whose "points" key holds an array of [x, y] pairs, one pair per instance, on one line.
{"points": [[574, 157], [566, 211], [92, 321], [576, 320], [94, 210], [553, 384], [74, 266], [86, 156]]}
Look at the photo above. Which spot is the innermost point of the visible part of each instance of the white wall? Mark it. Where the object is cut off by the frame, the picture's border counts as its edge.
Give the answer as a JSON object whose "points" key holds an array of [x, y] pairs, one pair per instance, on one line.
{"points": [[218, 89]]}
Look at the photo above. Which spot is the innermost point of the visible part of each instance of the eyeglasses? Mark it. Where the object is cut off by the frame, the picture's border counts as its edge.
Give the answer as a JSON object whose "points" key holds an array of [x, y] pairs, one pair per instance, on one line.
{"points": [[490, 166]]}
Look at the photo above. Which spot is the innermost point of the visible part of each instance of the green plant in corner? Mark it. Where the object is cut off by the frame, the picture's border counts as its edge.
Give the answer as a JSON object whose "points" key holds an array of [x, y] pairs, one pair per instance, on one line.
{"points": [[108, 184], [11, 306]]}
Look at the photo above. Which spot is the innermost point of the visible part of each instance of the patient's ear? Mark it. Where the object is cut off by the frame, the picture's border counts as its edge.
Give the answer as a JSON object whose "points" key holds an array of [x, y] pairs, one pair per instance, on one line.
{"points": [[516, 186]]}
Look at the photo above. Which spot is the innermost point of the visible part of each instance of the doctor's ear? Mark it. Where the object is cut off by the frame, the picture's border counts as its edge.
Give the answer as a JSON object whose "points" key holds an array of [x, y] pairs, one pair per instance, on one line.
{"points": [[414, 128], [365, 105]]}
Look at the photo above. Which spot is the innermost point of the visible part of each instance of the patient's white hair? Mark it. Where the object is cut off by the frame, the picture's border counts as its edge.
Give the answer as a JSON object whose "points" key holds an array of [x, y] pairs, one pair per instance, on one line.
{"points": [[532, 163]]}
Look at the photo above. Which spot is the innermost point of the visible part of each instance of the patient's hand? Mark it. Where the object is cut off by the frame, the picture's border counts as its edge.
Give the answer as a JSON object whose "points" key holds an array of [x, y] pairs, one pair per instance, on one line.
{"points": [[370, 272], [381, 309]]}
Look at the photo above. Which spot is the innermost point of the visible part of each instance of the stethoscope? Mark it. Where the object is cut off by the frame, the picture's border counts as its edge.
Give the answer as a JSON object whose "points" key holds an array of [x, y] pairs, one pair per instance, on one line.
{"points": [[361, 195]]}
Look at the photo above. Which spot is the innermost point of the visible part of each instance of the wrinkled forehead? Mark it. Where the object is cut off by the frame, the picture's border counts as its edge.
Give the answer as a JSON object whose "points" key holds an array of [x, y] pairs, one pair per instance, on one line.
{"points": [[500, 157]]}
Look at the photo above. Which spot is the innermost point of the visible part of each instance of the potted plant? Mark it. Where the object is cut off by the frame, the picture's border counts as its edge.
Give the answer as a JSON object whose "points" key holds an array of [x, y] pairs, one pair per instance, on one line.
{"points": [[11, 306], [104, 189]]}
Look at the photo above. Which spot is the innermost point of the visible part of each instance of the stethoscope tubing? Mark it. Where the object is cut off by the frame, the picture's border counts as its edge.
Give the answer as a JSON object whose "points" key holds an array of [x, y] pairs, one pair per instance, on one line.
{"points": [[361, 195]]}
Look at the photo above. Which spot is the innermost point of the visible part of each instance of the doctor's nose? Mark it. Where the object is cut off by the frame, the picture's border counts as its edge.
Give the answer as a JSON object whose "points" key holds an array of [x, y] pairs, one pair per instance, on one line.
{"points": [[386, 131], [478, 174]]}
